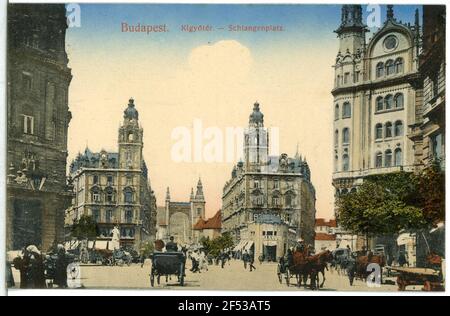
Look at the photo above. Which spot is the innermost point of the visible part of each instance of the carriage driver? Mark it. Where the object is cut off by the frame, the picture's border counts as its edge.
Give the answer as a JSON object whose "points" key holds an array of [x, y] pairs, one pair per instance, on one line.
{"points": [[300, 245], [171, 245]]}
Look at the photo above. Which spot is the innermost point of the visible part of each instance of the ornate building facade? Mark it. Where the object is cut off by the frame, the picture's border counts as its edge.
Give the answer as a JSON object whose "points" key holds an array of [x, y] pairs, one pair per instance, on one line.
{"points": [[38, 117], [177, 219], [376, 94], [114, 188], [269, 202]]}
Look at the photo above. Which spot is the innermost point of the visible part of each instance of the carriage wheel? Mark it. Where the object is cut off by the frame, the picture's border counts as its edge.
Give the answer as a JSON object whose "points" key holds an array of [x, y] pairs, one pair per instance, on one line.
{"points": [[152, 279]]}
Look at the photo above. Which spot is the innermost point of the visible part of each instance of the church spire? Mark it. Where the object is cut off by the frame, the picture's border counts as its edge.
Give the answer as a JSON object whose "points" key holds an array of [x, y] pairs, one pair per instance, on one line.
{"points": [[351, 19], [192, 194], [390, 12], [199, 194], [168, 194]]}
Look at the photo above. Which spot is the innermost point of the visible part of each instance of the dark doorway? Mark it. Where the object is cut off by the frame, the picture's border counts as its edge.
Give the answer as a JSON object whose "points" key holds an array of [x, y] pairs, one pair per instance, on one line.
{"points": [[270, 253], [27, 223]]}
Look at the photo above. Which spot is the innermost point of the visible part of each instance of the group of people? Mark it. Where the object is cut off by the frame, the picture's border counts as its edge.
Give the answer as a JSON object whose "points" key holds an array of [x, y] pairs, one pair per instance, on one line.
{"points": [[36, 267]]}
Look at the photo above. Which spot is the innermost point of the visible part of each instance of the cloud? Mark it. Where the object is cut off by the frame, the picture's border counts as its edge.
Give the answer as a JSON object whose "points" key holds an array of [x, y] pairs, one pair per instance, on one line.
{"points": [[225, 61]]}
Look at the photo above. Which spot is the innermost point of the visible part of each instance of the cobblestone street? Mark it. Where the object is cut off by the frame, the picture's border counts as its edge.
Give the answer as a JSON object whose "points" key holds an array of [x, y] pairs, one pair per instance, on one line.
{"points": [[232, 277]]}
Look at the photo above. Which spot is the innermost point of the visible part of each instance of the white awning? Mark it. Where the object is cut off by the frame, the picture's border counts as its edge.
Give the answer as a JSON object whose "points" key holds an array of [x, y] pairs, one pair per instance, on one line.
{"points": [[248, 245], [240, 245]]}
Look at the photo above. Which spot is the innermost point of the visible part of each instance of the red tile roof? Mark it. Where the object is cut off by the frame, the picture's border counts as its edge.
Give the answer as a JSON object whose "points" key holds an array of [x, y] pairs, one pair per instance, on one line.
{"points": [[214, 222], [323, 222], [323, 236]]}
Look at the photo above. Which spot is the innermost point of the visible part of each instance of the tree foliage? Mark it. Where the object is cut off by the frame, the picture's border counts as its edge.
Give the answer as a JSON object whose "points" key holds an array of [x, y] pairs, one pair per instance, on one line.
{"points": [[389, 203], [218, 244], [85, 227]]}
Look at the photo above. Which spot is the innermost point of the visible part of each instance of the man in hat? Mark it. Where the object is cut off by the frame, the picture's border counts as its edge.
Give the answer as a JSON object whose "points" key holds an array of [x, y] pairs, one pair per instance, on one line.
{"points": [[171, 245]]}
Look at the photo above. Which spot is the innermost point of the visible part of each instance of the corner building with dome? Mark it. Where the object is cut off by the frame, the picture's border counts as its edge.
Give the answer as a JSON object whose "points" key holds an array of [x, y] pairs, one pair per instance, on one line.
{"points": [[114, 188], [269, 201]]}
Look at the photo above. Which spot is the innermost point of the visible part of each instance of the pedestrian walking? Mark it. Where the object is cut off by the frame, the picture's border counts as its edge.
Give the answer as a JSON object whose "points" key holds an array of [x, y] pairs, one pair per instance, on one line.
{"points": [[251, 261], [245, 259]]}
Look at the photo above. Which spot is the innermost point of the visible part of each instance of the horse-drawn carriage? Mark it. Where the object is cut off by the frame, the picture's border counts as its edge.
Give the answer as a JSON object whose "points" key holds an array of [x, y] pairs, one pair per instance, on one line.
{"points": [[302, 266], [117, 257], [167, 264]]}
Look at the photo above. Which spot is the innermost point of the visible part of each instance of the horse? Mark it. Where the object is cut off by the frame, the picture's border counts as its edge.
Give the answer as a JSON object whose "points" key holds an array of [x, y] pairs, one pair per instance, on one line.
{"points": [[362, 262], [318, 263]]}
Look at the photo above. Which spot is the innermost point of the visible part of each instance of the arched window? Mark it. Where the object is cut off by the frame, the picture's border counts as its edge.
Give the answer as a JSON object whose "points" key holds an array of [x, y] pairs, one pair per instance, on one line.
{"points": [[128, 195], [346, 136], [378, 160], [109, 216], [336, 112], [390, 67], [379, 104], [336, 161], [388, 130], [398, 157], [378, 131], [388, 102], [380, 70], [338, 80], [346, 110], [336, 138], [399, 65], [388, 158], [398, 127], [345, 162], [398, 100]]}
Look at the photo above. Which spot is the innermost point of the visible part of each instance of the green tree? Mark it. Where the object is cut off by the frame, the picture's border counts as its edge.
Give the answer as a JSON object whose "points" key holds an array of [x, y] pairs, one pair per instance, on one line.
{"points": [[383, 204], [85, 228]]}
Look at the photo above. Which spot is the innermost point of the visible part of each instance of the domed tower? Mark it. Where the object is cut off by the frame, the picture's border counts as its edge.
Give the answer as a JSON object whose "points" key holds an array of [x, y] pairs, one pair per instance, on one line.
{"points": [[130, 139], [256, 141]]}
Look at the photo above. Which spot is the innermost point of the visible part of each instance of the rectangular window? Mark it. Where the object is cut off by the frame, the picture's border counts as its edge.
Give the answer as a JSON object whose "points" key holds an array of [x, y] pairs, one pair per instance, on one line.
{"points": [[276, 184], [356, 79], [28, 124], [110, 180], [436, 146], [96, 197], [129, 216], [95, 179], [346, 77], [96, 215], [26, 82], [109, 216]]}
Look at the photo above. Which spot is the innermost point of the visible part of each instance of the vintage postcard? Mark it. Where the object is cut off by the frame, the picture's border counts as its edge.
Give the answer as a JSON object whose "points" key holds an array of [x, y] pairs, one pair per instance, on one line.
{"points": [[246, 147]]}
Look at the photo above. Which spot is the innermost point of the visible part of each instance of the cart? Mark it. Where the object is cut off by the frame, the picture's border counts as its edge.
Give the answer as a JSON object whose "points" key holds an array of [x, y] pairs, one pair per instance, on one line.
{"points": [[430, 279], [167, 264]]}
